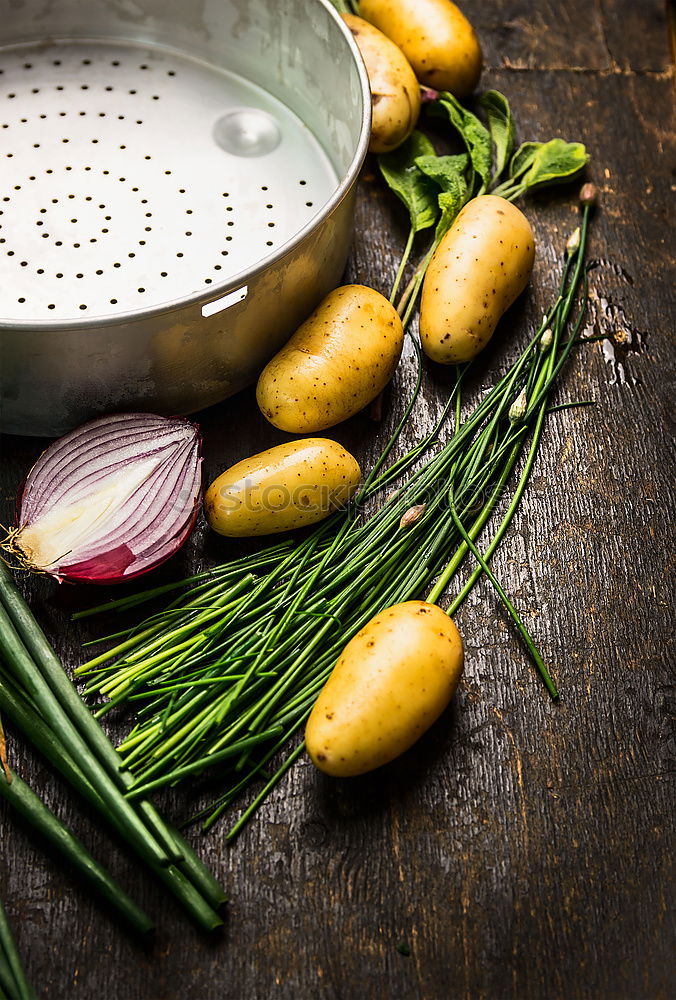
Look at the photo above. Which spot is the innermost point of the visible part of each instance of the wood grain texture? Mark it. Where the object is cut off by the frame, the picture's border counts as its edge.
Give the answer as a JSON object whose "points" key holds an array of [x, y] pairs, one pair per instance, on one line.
{"points": [[521, 850]]}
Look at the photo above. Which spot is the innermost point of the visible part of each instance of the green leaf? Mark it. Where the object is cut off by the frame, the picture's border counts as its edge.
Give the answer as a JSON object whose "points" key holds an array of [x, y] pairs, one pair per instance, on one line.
{"points": [[555, 161], [523, 158], [501, 126], [449, 173], [409, 183], [476, 136], [444, 170], [450, 203]]}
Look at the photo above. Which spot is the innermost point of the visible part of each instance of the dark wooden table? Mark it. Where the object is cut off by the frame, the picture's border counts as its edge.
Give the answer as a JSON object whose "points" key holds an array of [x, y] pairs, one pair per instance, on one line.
{"points": [[522, 849]]}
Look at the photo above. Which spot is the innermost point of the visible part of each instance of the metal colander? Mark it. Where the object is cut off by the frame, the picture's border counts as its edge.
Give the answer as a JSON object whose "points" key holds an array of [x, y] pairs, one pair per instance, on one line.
{"points": [[175, 197]]}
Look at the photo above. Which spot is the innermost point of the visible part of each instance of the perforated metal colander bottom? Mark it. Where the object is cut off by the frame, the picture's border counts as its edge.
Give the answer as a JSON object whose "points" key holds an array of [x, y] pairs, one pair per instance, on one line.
{"points": [[132, 176]]}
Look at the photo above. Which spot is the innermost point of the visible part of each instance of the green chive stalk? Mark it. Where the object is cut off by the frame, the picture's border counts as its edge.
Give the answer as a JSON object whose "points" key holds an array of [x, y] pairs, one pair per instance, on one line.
{"points": [[27, 804], [13, 652], [12, 976]]}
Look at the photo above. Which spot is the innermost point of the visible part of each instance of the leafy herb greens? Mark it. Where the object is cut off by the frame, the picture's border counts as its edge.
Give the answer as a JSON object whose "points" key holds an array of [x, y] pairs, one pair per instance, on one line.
{"points": [[413, 188], [501, 127], [445, 171], [473, 133], [542, 164], [448, 173], [523, 158], [435, 188], [408, 182]]}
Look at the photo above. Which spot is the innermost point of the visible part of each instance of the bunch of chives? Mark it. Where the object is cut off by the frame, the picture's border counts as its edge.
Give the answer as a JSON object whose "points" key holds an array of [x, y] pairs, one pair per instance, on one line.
{"points": [[242, 655], [39, 699]]}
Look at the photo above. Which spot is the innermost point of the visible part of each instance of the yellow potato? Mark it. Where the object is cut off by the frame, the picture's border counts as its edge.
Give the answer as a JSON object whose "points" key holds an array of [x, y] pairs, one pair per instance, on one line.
{"points": [[481, 266], [436, 38], [341, 357], [392, 681], [283, 488], [395, 94]]}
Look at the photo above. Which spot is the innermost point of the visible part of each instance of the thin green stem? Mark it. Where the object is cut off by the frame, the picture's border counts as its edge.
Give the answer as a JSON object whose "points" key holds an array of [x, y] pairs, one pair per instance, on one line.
{"points": [[402, 264], [13, 975], [544, 673], [200, 765], [265, 791]]}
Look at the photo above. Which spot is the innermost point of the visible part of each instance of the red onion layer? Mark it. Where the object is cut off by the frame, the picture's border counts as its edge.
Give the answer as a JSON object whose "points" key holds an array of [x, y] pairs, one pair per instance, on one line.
{"points": [[111, 500]]}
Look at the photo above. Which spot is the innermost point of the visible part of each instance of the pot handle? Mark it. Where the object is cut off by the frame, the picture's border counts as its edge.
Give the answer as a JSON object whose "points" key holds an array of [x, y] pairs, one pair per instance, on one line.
{"points": [[224, 302]]}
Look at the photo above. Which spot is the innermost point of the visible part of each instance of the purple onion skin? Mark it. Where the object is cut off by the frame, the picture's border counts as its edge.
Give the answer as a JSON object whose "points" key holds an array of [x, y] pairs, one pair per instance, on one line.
{"points": [[111, 566]]}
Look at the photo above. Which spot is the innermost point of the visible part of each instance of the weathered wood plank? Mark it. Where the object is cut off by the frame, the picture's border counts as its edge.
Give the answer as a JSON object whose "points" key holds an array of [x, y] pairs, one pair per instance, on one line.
{"points": [[612, 36], [522, 849]]}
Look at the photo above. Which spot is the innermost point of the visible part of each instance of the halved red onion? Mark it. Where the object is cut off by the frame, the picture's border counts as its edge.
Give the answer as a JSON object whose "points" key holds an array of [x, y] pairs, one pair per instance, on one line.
{"points": [[110, 500]]}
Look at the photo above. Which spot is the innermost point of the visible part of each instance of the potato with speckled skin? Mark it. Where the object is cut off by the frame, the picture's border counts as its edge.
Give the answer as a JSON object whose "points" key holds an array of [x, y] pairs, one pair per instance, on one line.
{"points": [[436, 38], [283, 488], [395, 93], [339, 360], [481, 266], [391, 682]]}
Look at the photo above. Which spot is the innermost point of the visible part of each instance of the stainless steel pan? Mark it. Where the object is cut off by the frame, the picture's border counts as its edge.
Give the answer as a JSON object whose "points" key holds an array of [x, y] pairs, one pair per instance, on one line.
{"points": [[176, 190]]}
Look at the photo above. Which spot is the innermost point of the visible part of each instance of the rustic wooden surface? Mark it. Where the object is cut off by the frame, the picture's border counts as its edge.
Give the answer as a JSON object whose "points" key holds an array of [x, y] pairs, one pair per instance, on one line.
{"points": [[522, 850]]}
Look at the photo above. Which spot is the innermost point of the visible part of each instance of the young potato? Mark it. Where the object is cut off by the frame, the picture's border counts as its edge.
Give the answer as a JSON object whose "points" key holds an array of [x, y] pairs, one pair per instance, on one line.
{"points": [[341, 357], [436, 38], [395, 93], [392, 681], [481, 266], [283, 488]]}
